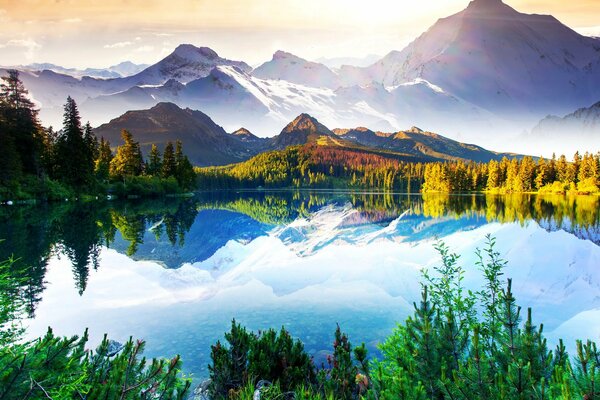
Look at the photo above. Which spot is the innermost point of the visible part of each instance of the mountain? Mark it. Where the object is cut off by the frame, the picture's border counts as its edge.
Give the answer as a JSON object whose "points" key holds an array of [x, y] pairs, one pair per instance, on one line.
{"points": [[483, 75], [291, 68], [120, 70], [304, 129], [127, 68], [205, 142], [231, 96], [419, 143], [579, 130], [411, 145], [245, 135], [338, 62], [185, 64], [504, 61]]}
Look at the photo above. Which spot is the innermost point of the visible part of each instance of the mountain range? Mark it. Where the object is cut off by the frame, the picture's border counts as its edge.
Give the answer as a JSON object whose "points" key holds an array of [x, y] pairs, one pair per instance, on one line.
{"points": [[486, 75], [207, 143], [582, 126], [121, 70]]}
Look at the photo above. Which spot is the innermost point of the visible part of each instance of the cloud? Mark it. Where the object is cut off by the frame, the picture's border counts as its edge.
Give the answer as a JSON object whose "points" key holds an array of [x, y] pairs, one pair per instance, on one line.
{"points": [[145, 49], [118, 45], [29, 44], [3, 15], [589, 30], [72, 20]]}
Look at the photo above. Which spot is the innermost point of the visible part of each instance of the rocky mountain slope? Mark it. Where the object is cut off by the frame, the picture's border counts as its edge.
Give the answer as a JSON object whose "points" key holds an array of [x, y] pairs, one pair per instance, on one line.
{"points": [[207, 143], [500, 59], [483, 75]]}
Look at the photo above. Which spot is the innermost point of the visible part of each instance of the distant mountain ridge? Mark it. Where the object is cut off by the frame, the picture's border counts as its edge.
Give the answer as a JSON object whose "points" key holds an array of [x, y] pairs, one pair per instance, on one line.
{"points": [[207, 143], [121, 70], [582, 126], [483, 75], [291, 68]]}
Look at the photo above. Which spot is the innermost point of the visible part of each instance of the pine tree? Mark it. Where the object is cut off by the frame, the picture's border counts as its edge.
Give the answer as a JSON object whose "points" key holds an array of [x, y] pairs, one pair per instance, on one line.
{"points": [[493, 181], [74, 161], [169, 164], [128, 159], [562, 170], [21, 135], [423, 344], [154, 162], [102, 162], [13, 92], [62, 368]]}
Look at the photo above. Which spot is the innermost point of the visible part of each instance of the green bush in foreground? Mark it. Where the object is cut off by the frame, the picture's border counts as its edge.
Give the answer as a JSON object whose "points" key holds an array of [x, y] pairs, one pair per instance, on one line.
{"points": [[61, 368], [277, 361], [458, 345]]}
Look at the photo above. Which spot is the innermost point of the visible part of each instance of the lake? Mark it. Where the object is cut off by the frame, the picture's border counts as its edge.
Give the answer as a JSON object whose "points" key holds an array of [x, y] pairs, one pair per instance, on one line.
{"points": [[175, 272]]}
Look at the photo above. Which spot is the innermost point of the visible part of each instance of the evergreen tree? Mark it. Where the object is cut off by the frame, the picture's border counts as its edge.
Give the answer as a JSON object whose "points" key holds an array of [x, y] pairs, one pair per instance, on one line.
{"points": [[21, 135], [74, 160], [102, 162], [169, 164], [562, 171], [13, 92], [493, 181], [154, 162], [128, 159]]}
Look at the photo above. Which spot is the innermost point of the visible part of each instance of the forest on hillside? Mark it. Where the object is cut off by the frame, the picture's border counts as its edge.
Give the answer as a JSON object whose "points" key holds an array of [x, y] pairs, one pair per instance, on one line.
{"points": [[314, 166], [44, 164]]}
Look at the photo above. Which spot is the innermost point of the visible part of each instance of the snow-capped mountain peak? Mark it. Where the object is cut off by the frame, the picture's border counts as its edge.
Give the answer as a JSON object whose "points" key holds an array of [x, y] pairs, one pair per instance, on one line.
{"points": [[191, 52], [289, 67]]}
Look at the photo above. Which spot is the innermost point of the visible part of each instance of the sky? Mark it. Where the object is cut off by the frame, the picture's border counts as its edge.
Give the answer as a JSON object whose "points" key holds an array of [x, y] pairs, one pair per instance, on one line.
{"points": [[99, 33]]}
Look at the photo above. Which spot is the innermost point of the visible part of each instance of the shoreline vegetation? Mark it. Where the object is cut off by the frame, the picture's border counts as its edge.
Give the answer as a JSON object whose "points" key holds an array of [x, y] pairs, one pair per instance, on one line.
{"points": [[460, 343], [41, 164], [318, 167]]}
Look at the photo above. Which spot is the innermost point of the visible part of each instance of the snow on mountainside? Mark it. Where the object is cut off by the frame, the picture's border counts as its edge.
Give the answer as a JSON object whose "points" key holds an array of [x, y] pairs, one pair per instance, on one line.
{"points": [[579, 130], [288, 67], [338, 62], [120, 70], [233, 97], [502, 60], [483, 75], [185, 64]]}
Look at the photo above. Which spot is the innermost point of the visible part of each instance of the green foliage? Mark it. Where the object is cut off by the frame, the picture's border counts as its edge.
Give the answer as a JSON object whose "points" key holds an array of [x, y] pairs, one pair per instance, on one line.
{"points": [[21, 136], [505, 358], [270, 355], [516, 176], [37, 163], [347, 377], [12, 304], [61, 368], [128, 160], [316, 167], [74, 150], [277, 357]]}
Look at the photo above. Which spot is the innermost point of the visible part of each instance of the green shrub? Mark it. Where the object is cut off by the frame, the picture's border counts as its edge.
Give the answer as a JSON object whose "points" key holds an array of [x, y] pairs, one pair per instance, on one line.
{"points": [[269, 355], [61, 368]]}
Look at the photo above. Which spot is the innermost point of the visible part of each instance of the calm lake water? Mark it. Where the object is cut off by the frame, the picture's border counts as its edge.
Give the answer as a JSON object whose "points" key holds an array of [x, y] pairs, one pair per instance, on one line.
{"points": [[175, 272]]}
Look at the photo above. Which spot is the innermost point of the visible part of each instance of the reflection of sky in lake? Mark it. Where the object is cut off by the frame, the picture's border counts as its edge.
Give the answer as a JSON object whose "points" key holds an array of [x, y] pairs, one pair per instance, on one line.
{"points": [[334, 264]]}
